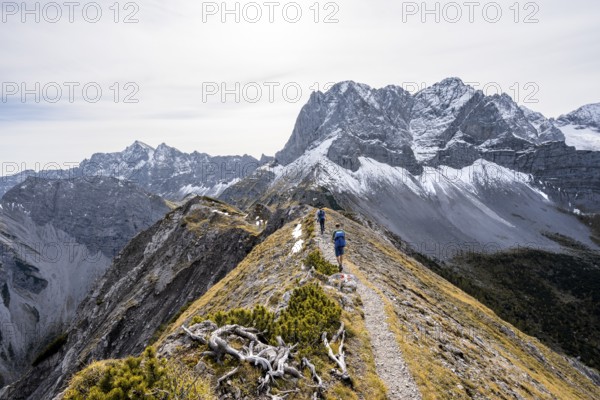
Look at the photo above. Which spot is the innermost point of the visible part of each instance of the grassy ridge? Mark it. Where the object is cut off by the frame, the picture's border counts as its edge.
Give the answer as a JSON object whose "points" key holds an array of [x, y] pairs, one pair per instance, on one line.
{"points": [[253, 292], [454, 345]]}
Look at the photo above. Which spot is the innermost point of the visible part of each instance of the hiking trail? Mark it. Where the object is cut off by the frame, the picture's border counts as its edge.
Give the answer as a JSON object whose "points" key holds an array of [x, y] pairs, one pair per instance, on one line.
{"points": [[389, 361]]}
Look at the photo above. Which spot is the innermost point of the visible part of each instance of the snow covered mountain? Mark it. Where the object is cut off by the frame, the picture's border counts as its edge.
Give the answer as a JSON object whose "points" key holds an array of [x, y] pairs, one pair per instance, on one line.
{"points": [[56, 238], [447, 169], [582, 127], [164, 171], [394, 127]]}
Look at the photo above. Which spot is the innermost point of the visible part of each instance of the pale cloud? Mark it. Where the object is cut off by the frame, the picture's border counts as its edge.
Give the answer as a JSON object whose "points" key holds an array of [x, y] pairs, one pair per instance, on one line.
{"points": [[173, 56]]}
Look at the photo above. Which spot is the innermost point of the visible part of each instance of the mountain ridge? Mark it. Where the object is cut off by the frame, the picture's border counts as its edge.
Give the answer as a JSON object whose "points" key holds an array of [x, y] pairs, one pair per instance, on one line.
{"points": [[453, 345], [163, 171]]}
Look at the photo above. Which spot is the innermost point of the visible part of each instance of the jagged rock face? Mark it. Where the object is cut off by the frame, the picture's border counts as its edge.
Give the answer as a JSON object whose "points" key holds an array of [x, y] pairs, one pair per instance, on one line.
{"points": [[448, 124], [57, 237], [569, 176], [546, 128], [170, 173], [363, 121], [156, 274], [164, 171], [102, 213], [434, 112]]}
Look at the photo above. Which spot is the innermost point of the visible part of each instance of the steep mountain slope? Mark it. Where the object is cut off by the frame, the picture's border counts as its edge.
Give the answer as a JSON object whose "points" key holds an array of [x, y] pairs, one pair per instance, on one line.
{"points": [[582, 127], [156, 274], [554, 297], [442, 211], [452, 345], [13, 175], [164, 171], [447, 167], [102, 213], [57, 237]]}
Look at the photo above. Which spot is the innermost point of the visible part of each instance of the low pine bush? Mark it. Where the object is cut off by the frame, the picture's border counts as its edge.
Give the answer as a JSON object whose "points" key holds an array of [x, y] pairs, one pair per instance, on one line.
{"points": [[145, 377], [309, 313], [315, 259]]}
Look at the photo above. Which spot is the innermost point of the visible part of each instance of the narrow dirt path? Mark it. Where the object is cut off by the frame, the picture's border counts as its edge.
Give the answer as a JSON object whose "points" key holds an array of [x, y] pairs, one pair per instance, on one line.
{"points": [[389, 361]]}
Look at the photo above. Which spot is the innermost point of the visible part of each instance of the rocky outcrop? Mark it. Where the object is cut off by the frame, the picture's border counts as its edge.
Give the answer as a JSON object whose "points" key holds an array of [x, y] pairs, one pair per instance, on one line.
{"points": [[103, 213], [569, 176], [56, 238], [346, 150]]}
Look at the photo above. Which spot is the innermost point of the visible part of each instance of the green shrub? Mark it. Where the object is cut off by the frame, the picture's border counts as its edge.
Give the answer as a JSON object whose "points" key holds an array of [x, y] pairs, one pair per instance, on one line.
{"points": [[259, 318], [321, 265], [145, 377], [309, 313]]}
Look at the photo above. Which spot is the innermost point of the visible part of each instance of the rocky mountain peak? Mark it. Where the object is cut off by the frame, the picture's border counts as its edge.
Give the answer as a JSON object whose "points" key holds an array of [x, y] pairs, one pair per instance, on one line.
{"points": [[395, 127], [165, 153], [139, 146], [587, 116]]}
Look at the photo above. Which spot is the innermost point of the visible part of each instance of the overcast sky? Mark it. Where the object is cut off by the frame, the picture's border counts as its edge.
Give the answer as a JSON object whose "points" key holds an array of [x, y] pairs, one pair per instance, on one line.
{"points": [[175, 58]]}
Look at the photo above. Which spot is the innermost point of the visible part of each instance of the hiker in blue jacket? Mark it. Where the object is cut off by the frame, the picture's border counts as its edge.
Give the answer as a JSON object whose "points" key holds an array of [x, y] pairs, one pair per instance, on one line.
{"points": [[339, 242], [321, 219]]}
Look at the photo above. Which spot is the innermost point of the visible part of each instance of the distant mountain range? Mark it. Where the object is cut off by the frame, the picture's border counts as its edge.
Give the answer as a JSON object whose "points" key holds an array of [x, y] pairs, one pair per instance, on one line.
{"points": [[164, 171]]}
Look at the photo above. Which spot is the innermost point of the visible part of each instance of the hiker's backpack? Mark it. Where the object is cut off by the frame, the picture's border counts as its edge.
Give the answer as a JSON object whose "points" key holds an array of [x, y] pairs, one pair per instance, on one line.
{"points": [[339, 238], [321, 215]]}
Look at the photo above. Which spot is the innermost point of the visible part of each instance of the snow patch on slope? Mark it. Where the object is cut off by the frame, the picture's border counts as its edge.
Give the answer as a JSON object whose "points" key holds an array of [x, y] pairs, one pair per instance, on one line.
{"points": [[297, 231], [436, 184], [582, 138], [297, 246], [213, 191]]}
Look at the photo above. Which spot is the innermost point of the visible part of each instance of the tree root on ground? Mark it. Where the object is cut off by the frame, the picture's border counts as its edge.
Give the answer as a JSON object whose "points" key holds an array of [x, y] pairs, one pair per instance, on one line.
{"points": [[273, 360], [339, 359]]}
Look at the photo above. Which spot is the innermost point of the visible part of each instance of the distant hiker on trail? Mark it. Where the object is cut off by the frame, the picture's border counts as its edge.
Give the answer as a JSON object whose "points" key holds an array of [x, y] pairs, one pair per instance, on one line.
{"points": [[339, 241], [321, 219]]}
